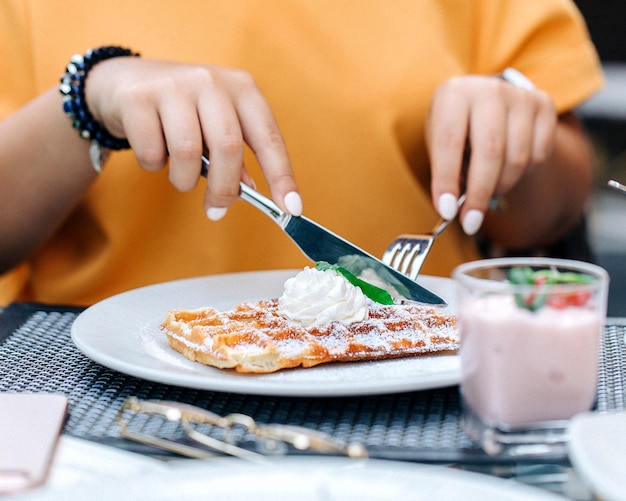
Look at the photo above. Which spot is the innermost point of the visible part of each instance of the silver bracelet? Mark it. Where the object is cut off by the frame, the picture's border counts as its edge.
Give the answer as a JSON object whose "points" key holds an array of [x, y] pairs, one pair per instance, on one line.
{"points": [[98, 155], [517, 79]]}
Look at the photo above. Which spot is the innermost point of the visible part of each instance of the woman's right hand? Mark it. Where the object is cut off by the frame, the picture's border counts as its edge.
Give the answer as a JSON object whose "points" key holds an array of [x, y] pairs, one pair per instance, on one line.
{"points": [[174, 112]]}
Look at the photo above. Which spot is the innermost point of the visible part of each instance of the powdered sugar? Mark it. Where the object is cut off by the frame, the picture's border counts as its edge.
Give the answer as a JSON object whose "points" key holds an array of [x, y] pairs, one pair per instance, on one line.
{"points": [[252, 331]]}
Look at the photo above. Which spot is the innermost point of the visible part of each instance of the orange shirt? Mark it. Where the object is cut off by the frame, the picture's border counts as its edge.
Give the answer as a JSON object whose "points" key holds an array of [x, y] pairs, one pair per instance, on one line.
{"points": [[350, 84]]}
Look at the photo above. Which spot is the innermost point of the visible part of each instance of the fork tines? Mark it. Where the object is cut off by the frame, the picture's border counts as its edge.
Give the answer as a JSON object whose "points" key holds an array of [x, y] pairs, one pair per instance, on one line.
{"points": [[407, 254]]}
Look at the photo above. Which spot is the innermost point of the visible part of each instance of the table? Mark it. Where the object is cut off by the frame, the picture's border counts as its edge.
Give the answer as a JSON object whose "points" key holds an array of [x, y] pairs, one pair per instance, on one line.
{"points": [[37, 355]]}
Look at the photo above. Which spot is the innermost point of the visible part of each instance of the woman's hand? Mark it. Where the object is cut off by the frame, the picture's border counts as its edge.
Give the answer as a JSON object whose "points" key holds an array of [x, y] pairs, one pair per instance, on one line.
{"points": [[173, 112], [484, 135]]}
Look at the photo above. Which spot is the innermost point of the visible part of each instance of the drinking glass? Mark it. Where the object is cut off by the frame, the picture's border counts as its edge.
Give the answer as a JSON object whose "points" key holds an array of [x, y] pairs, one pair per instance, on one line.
{"points": [[530, 333]]}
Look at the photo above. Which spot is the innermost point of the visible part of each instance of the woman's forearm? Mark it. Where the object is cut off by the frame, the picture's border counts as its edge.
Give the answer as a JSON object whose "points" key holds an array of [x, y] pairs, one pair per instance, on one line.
{"points": [[44, 171]]}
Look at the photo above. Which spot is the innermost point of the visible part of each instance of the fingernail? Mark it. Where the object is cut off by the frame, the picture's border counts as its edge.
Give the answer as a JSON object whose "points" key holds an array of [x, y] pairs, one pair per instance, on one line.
{"points": [[447, 206], [472, 221], [293, 203], [216, 213]]}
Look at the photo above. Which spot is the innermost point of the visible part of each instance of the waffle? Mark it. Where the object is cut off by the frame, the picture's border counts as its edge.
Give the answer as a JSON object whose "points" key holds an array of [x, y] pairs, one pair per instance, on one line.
{"points": [[253, 338]]}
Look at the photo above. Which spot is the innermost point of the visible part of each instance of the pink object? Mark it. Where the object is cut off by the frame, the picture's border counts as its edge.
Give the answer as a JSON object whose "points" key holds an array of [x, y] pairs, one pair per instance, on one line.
{"points": [[521, 367], [530, 349], [30, 425]]}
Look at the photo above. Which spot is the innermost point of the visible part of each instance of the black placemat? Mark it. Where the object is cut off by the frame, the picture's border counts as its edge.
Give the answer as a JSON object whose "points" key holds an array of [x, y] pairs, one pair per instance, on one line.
{"points": [[37, 355]]}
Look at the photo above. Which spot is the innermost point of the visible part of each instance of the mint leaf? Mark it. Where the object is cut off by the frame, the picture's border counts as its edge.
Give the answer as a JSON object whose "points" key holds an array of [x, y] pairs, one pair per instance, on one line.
{"points": [[376, 294], [358, 264], [526, 276]]}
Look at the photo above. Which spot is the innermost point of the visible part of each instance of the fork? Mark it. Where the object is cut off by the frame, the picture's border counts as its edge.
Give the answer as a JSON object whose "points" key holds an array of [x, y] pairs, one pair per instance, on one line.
{"points": [[407, 253]]}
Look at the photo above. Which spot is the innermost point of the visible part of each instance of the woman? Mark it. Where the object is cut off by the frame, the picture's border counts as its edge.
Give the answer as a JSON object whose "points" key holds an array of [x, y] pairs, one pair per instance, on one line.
{"points": [[383, 113]]}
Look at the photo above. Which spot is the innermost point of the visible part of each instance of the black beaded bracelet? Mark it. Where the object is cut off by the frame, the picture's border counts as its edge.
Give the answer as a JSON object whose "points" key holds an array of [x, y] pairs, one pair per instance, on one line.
{"points": [[74, 104]]}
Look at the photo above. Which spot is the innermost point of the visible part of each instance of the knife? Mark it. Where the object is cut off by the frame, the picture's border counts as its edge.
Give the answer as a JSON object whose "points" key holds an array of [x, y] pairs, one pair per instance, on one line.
{"points": [[320, 244]]}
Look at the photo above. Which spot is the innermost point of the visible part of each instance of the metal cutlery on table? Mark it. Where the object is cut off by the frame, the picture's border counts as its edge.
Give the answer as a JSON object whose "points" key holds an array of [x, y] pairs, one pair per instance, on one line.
{"points": [[320, 244], [407, 253], [241, 436], [617, 186]]}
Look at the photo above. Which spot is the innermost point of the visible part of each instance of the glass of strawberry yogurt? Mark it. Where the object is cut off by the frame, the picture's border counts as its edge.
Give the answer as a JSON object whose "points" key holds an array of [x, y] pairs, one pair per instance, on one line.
{"points": [[530, 332]]}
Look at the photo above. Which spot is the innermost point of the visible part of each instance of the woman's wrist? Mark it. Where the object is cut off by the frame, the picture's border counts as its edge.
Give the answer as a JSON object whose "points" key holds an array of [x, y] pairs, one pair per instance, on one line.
{"points": [[72, 88]]}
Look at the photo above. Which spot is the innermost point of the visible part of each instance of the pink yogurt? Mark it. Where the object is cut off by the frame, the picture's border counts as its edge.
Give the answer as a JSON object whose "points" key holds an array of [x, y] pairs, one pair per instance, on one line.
{"points": [[521, 367]]}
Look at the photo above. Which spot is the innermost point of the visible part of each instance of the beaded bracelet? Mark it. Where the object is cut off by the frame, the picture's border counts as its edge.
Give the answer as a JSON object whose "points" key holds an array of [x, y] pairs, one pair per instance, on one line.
{"points": [[75, 106]]}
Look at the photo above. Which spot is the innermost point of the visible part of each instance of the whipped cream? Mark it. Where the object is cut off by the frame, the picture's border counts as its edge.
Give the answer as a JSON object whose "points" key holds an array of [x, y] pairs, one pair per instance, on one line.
{"points": [[314, 298]]}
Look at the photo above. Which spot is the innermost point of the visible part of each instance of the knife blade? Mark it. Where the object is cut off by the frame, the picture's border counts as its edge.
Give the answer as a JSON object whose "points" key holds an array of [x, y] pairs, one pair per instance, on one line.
{"points": [[321, 244]]}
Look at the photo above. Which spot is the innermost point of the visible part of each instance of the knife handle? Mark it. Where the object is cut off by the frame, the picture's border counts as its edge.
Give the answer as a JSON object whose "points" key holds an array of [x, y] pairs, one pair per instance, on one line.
{"points": [[253, 197]]}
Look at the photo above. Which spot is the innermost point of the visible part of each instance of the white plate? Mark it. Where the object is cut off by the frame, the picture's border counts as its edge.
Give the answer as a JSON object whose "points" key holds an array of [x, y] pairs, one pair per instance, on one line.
{"points": [[597, 450], [122, 333], [299, 478]]}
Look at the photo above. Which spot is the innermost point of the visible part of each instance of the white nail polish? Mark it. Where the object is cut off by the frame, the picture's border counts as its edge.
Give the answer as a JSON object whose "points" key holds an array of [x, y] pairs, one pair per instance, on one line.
{"points": [[293, 203], [447, 206], [472, 221], [216, 213]]}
